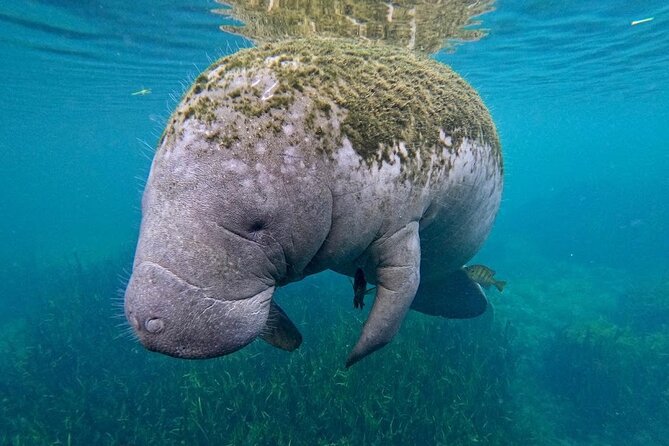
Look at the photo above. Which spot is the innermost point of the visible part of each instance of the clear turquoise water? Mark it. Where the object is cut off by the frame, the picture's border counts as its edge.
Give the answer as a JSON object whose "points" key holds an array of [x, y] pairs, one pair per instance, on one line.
{"points": [[581, 101]]}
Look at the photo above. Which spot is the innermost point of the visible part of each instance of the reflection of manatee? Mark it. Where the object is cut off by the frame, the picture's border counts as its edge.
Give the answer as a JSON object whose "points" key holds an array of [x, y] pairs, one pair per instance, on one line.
{"points": [[297, 157], [421, 25]]}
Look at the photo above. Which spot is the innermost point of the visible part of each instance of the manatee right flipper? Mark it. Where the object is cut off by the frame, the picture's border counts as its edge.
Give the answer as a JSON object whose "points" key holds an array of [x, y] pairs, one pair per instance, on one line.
{"points": [[397, 259], [280, 330], [456, 297]]}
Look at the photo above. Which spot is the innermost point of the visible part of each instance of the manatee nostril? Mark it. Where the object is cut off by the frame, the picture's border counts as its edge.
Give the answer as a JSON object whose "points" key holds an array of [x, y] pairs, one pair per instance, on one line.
{"points": [[154, 325], [134, 322]]}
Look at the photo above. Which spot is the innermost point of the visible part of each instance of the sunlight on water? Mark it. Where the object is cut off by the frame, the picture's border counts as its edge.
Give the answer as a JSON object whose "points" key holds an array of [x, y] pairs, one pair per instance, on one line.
{"points": [[583, 50]]}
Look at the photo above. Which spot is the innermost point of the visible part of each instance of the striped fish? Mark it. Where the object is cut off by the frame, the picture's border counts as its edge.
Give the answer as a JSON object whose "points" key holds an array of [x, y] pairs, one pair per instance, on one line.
{"points": [[484, 276]]}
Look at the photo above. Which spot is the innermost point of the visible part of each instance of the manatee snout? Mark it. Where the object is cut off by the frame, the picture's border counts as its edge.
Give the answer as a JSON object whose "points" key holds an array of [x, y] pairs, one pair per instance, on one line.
{"points": [[169, 315]]}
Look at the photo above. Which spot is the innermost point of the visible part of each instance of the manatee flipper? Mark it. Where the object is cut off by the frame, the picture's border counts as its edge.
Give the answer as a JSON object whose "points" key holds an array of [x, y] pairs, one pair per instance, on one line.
{"points": [[397, 261], [456, 297], [280, 330]]}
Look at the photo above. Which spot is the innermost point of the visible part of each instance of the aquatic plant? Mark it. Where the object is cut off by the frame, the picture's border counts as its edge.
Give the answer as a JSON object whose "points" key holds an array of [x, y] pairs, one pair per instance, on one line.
{"points": [[613, 378], [68, 378], [644, 308]]}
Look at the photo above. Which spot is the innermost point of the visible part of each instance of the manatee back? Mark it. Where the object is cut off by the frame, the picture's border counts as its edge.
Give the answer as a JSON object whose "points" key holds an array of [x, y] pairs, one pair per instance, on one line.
{"points": [[376, 124]]}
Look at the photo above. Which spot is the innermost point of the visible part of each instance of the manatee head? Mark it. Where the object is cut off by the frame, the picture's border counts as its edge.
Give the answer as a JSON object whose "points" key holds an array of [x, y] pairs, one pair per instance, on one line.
{"points": [[207, 261], [172, 316]]}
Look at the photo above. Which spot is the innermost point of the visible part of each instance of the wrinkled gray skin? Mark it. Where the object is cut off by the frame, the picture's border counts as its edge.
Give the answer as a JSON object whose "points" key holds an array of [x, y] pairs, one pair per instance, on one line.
{"points": [[223, 227]]}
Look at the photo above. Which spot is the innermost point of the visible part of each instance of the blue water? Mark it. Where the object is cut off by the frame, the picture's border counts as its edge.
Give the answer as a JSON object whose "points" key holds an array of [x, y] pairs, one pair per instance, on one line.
{"points": [[580, 98]]}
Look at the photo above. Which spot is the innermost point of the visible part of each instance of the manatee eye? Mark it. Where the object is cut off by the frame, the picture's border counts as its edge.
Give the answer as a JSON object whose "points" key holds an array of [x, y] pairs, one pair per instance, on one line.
{"points": [[257, 225]]}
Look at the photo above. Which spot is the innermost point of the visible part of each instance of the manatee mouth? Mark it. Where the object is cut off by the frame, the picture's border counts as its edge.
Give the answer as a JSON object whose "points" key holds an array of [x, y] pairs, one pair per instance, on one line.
{"points": [[175, 318]]}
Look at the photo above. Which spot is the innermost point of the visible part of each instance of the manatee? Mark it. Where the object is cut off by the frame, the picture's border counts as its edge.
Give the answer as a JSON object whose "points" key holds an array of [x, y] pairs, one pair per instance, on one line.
{"points": [[300, 156]]}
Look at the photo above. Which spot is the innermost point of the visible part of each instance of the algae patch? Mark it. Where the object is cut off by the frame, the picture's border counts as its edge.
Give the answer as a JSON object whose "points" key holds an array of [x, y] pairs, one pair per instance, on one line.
{"points": [[376, 96]]}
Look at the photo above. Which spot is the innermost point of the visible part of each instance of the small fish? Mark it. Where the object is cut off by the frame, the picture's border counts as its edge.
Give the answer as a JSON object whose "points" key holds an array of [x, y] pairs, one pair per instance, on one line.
{"points": [[360, 289], [484, 276], [142, 92]]}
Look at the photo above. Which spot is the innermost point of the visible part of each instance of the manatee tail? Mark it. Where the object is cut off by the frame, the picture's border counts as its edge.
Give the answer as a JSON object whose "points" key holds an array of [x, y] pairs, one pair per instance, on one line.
{"points": [[280, 330], [456, 297]]}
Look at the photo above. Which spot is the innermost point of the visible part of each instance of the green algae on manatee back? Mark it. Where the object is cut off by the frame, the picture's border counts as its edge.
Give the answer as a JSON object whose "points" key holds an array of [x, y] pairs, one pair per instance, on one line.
{"points": [[385, 100], [423, 26]]}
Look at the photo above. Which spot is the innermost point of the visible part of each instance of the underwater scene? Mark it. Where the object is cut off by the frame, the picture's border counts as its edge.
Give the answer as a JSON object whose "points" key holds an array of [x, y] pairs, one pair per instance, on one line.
{"points": [[541, 308]]}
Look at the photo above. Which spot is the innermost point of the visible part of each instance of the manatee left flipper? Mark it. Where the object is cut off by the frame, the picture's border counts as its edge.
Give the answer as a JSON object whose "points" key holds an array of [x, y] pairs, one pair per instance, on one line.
{"points": [[280, 330], [397, 277], [456, 297]]}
